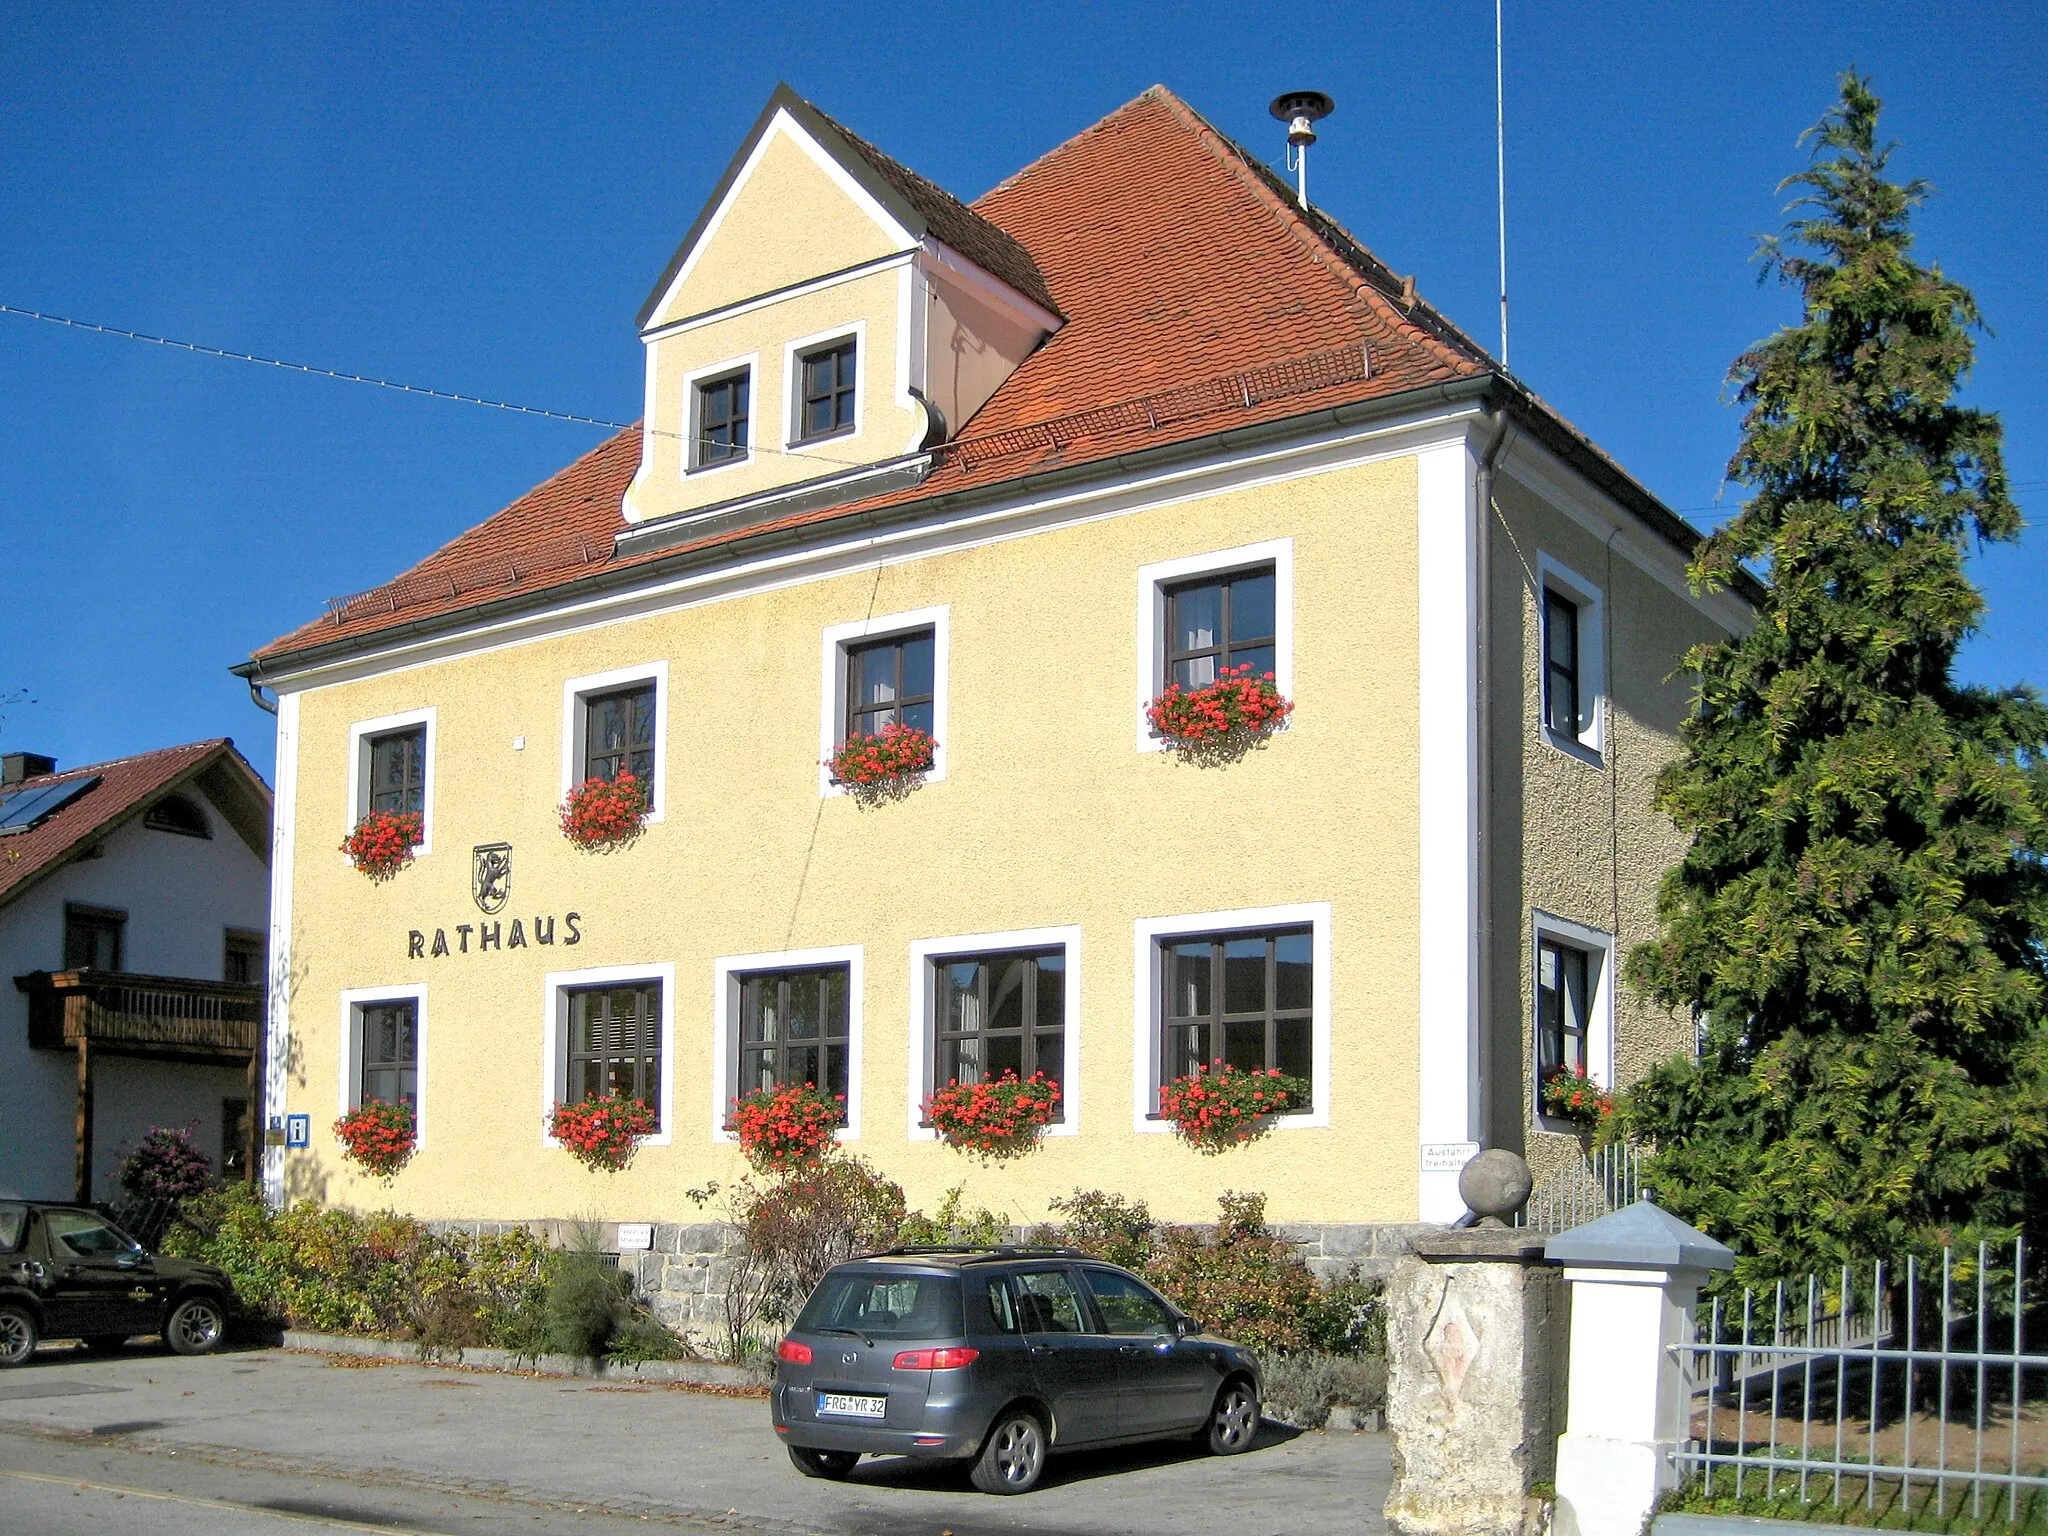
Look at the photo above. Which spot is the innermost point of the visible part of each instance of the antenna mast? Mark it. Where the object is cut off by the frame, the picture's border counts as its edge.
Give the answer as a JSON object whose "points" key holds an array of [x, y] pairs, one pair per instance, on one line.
{"points": [[1500, 162], [1301, 111]]}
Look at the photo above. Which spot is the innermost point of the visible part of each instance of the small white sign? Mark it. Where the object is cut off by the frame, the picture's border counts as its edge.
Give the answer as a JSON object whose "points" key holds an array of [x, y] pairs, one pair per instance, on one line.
{"points": [[636, 1236], [1447, 1156]]}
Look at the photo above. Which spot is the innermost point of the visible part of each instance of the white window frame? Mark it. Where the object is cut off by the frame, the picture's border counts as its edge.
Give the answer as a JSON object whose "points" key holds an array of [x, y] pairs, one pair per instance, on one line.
{"points": [[359, 734], [728, 971], [1145, 1026], [353, 1001], [924, 951], [1590, 742], [855, 331], [750, 365], [1599, 949], [555, 987], [577, 689], [1154, 579], [837, 639]]}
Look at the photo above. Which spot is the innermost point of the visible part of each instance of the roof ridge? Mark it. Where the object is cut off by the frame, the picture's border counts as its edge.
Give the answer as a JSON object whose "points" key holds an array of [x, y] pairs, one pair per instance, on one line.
{"points": [[208, 743]]}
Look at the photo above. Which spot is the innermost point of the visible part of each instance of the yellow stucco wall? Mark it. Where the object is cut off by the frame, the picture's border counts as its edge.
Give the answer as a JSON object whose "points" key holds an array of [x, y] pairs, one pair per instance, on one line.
{"points": [[1049, 815]]}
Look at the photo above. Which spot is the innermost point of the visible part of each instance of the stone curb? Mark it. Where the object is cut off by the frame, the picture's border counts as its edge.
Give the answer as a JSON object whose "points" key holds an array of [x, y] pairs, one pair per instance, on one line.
{"points": [[702, 1373]]}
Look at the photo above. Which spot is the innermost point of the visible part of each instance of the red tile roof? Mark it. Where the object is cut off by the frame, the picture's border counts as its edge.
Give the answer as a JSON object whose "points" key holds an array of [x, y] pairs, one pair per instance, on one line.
{"points": [[125, 785], [1198, 298]]}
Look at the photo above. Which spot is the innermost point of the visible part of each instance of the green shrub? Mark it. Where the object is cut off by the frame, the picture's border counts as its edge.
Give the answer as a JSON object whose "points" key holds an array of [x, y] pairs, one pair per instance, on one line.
{"points": [[1302, 1390], [1240, 1278], [952, 1224]]}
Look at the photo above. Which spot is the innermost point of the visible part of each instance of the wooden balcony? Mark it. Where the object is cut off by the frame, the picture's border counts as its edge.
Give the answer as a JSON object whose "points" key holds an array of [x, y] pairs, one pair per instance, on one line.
{"points": [[162, 1018]]}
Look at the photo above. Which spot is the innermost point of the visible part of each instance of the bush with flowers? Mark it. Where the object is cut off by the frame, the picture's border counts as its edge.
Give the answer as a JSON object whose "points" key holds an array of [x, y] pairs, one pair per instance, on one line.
{"points": [[786, 1126], [885, 767], [378, 1136], [603, 814], [166, 1165], [602, 1134], [1568, 1094], [997, 1120], [1220, 721], [382, 842], [1213, 1111]]}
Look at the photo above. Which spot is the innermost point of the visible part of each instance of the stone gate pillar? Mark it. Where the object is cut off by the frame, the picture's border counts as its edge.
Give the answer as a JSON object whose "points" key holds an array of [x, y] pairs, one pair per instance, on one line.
{"points": [[1475, 1336], [1634, 1276]]}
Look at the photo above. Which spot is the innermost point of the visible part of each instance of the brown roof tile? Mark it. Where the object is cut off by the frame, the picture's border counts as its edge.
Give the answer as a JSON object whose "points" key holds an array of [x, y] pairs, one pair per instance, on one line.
{"points": [[124, 784], [1197, 296]]}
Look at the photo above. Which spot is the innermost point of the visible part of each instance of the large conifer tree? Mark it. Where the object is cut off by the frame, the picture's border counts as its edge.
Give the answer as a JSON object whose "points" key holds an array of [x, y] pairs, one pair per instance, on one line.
{"points": [[1859, 919]]}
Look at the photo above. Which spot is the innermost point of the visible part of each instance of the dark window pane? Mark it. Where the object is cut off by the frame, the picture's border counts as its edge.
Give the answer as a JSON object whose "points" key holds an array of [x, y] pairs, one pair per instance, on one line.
{"points": [[1006, 993], [1244, 975], [1005, 1053], [1052, 991], [618, 734], [1251, 608], [917, 665], [1184, 1050], [398, 780], [1260, 658], [793, 1030], [1294, 971], [1291, 1049], [1244, 1046], [1196, 672], [1198, 618]]}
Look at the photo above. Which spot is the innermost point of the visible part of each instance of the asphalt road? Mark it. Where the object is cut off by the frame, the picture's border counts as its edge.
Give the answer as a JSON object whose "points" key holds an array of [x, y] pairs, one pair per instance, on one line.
{"points": [[269, 1442]]}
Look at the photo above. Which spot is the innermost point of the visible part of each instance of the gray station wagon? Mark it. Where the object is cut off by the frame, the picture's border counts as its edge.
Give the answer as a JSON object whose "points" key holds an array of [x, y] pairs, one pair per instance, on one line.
{"points": [[999, 1357]]}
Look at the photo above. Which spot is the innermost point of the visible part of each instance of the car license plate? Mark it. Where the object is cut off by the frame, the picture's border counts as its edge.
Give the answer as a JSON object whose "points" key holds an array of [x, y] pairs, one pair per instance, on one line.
{"points": [[853, 1407]]}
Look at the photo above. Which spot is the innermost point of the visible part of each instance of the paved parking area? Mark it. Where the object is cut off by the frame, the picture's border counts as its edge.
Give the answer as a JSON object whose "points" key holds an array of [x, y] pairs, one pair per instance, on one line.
{"points": [[266, 1440]]}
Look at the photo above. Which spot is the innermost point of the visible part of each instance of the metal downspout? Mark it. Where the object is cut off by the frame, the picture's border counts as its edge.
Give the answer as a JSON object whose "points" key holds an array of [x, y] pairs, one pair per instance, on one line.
{"points": [[1482, 491]]}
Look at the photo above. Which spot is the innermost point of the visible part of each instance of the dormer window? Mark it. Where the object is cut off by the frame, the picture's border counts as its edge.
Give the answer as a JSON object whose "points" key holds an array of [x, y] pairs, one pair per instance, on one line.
{"points": [[827, 405], [722, 410]]}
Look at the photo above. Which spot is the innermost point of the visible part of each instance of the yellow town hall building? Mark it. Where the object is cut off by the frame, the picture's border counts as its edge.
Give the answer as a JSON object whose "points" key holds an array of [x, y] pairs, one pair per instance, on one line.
{"points": [[1002, 471]]}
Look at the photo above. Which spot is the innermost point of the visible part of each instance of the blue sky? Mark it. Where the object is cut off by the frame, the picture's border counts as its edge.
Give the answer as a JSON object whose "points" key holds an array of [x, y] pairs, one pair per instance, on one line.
{"points": [[478, 198]]}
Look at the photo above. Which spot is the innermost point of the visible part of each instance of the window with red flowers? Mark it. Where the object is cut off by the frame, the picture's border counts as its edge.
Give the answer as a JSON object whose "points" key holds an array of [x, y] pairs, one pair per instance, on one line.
{"points": [[999, 1013], [792, 1029], [614, 1043], [1242, 999]]}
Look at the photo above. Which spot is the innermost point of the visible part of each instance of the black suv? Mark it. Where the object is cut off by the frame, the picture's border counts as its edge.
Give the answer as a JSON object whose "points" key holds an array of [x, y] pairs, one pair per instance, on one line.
{"points": [[67, 1272], [999, 1356]]}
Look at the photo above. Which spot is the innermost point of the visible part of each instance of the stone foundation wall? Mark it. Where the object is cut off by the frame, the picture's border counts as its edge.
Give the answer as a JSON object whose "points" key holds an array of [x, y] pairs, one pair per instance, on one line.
{"points": [[684, 1276]]}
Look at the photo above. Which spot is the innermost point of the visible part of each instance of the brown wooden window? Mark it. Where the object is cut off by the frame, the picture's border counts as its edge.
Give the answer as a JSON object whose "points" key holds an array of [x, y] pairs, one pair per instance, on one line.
{"points": [[242, 962], [1562, 710], [722, 411], [1242, 1000], [615, 1044], [828, 384], [1564, 973], [390, 1062], [889, 682], [998, 1013], [398, 771], [177, 813], [618, 734], [1218, 622], [793, 1030], [92, 937]]}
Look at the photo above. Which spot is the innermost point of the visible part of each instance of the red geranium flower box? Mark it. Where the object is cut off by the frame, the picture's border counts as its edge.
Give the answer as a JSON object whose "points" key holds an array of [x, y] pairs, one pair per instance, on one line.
{"points": [[378, 1136], [382, 842], [994, 1120], [884, 767], [602, 1134], [787, 1126], [1215, 1110], [1221, 719], [1568, 1094], [602, 814]]}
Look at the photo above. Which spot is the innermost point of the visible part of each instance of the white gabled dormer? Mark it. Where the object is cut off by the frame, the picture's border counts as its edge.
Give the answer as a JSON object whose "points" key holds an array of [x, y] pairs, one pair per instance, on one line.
{"points": [[830, 317]]}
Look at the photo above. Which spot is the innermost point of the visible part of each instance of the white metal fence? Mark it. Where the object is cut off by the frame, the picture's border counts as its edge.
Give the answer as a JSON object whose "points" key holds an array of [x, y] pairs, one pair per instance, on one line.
{"points": [[1585, 1189], [1894, 1388]]}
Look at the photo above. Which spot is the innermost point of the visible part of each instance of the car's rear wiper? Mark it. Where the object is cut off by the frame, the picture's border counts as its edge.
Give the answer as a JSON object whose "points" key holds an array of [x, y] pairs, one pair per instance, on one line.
{"points": [[851, 1333]]}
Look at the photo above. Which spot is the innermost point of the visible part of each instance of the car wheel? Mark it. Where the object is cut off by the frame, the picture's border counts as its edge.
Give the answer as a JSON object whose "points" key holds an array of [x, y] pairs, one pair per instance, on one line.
{"points": [[1014, 1457], [836, 1465], [105, 1343], [1234, 1421], [17, 1336], [195, 1326]]}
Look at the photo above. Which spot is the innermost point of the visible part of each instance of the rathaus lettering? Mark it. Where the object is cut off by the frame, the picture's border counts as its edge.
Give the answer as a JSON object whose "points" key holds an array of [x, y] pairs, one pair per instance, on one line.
{"points": [[491, 935]]}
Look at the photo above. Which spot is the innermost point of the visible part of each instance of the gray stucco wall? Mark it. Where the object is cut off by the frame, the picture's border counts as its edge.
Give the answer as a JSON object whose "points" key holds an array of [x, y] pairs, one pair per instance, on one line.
{"points": [[1575, 834]]}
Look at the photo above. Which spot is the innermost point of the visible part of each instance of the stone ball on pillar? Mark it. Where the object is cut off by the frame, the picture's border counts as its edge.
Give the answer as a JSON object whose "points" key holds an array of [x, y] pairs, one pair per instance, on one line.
{"points": [[1495, 1185]]}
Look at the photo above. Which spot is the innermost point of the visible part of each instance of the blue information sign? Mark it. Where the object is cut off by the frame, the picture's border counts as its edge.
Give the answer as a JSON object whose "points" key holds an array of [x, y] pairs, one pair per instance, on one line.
{"points": [[298, 1130]]}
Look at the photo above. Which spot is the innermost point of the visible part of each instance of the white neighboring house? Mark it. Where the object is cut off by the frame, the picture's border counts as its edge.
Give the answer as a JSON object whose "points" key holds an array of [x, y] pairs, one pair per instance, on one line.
{"points": [[134, 915]]}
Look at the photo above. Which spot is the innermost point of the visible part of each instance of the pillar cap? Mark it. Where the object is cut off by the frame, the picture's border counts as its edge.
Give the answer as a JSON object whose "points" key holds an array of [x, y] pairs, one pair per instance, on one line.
{"points": [[1639, 1236]]}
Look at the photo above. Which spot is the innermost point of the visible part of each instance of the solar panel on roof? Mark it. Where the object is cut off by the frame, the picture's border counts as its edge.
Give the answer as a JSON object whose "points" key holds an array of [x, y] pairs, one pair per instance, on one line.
{"points": [[26, 807]]}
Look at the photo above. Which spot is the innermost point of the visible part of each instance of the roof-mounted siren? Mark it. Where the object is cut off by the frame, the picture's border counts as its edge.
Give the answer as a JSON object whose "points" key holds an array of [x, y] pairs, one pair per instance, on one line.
{"points": [[1301, 111]]}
